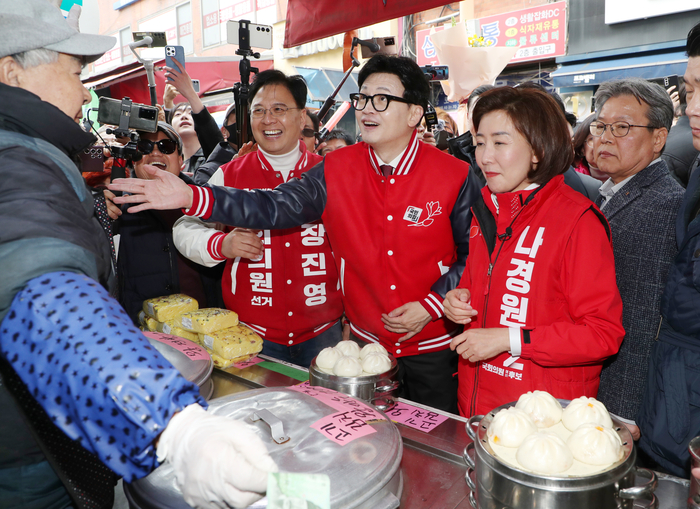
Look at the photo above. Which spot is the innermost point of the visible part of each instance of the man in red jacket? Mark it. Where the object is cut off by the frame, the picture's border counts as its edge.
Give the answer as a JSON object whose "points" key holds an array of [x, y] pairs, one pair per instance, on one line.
{"points": [[397, 215], [282, 283]]}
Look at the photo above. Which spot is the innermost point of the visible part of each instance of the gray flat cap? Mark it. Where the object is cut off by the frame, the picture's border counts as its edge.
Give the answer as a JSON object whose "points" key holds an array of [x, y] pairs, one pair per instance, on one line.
{"points": [[34, 24]]}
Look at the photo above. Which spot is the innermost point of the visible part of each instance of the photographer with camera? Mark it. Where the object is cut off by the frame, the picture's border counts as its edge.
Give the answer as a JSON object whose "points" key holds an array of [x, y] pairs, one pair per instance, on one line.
{"points": [[396, 212], [84, 396]]}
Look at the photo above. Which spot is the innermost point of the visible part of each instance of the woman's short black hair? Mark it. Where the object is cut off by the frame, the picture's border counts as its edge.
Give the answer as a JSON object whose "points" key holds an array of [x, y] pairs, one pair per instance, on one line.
{"points": [[538, 117], [295, 84], [415, 84]]}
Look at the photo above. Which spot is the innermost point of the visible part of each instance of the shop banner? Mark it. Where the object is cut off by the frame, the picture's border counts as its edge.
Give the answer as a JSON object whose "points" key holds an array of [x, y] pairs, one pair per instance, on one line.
{"points": [[537, 32]]}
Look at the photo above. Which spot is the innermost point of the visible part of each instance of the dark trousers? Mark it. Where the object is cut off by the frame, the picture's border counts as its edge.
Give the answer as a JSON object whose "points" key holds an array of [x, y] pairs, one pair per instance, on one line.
{"points": [[428, 378]]}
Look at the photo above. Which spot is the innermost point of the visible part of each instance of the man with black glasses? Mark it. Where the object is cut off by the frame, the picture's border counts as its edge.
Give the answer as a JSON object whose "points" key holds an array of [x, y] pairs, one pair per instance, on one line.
{"points": [[148, 264], [397, 215], [640, 201]]}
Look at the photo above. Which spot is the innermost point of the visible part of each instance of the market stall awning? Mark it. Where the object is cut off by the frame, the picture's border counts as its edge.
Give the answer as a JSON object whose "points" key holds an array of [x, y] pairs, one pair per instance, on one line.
{"points": [[658, 65], [310, 20], [130, 80]]}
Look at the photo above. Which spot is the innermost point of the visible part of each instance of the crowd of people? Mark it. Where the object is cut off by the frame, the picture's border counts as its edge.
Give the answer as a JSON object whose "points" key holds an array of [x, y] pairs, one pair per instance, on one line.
{"points": [[532, 252]]}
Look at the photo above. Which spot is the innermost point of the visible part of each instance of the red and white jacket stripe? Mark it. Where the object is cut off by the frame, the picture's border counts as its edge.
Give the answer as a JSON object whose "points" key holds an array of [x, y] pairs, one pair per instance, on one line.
{"points": [[292, 293]]}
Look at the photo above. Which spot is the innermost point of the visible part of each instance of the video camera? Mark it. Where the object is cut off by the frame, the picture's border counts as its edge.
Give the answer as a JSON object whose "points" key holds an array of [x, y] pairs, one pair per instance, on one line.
{"points": [[129, 117], [435, 73]]}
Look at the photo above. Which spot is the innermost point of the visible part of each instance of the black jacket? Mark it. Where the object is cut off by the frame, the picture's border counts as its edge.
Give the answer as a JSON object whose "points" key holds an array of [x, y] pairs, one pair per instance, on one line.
{"points": [[679, 152], [46, 225], [148, 262], [222, 154]]}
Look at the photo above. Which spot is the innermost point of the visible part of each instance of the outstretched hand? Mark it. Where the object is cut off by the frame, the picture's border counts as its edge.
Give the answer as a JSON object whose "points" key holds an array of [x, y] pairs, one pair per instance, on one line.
{"points": [[164, 191]]}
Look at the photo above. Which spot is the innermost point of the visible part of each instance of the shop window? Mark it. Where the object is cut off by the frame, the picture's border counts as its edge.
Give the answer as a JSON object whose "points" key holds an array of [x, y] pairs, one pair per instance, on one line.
{"points": [[184, 28]]}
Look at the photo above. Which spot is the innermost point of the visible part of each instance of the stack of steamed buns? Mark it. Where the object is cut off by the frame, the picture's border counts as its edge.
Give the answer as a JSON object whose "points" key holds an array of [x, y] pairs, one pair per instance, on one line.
{"points": [[548, 439], [347, 359]]}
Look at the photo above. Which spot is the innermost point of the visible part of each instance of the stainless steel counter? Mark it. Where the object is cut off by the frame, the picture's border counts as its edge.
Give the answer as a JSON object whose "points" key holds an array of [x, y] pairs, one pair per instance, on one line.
{"points": [[432, 465]]}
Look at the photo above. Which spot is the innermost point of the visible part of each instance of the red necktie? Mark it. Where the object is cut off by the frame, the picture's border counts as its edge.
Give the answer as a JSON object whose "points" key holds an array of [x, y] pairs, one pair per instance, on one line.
{"points": [[386, 169]]}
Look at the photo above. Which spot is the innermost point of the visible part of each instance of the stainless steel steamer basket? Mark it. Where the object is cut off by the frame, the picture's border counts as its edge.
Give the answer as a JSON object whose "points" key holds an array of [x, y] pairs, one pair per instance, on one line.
{"points": [[500, 486], [364, 473], [378, 390]]}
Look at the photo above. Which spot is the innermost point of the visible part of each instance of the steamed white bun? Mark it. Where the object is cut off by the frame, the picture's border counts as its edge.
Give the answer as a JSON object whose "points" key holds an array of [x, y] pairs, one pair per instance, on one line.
{"points": [[584, 410], [510, 426], [327, 358], [544, 453], [372, 348], [347, 366], [542, 407], [595, 445], [349, 348], [376, 363]]}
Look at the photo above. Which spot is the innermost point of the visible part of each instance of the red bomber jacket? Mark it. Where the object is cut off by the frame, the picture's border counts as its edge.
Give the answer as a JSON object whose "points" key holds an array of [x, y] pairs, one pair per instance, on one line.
{"points": [[292, 294], [553, 277]]}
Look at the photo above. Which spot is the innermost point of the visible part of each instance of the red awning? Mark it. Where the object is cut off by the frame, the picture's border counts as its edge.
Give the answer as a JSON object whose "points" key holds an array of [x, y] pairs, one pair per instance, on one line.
{"points": [[310, 20], [130, 80]]}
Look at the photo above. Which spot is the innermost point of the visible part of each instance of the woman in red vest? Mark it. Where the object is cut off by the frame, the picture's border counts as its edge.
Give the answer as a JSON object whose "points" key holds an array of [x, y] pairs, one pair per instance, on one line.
{"points": [[538, 296]]}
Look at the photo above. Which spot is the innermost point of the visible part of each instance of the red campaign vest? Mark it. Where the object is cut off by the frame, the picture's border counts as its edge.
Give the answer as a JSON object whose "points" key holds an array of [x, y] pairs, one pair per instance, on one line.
{"points": [[292, 294], [534, 284], [392, 237]]}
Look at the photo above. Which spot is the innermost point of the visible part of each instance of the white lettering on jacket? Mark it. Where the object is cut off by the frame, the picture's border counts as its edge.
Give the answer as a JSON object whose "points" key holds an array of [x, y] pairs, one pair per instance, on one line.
{"points": [[314, 264], [514, 304]]}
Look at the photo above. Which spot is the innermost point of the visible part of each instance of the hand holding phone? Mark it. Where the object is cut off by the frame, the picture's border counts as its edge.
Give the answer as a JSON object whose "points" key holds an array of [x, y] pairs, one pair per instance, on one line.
{"points": [[176, 52]]}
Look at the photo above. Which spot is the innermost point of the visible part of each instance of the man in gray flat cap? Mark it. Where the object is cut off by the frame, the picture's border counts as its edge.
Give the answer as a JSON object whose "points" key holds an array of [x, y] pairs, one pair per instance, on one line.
{"points": [[84, 396]]}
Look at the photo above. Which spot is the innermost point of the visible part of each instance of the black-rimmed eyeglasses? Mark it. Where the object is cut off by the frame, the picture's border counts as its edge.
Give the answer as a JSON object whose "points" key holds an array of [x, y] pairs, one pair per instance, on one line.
{"points": [[618, 129], [166, 147], [380, 102]]}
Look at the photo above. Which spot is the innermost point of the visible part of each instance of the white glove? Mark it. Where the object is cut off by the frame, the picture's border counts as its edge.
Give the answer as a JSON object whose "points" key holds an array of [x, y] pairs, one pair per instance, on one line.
{"points": [[219, 462]]}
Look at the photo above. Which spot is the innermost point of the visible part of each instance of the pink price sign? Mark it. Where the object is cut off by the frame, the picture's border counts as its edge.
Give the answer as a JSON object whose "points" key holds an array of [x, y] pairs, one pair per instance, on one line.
{"points": [[190, 349], [340, 402], [343, 427], [414, 417], [246, 364]]}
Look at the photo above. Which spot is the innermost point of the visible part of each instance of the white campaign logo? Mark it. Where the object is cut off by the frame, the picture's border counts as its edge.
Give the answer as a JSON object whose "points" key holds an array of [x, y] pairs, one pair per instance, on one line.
{"points": [[413, 214]]}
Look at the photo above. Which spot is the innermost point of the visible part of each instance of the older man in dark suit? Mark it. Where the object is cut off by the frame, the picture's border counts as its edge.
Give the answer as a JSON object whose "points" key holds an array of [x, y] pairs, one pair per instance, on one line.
{"points": [[640, 200]]}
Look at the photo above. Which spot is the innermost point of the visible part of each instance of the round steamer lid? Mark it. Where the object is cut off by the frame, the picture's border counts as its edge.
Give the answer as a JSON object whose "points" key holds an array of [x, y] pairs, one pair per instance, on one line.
{"points": [[358, 470], [191, 360]]}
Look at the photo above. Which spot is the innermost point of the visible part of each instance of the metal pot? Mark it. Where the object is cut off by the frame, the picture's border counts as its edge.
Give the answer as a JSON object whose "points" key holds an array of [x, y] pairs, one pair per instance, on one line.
{"points": [[364, 473], [500, 486], [378, 390], [196, 368]]}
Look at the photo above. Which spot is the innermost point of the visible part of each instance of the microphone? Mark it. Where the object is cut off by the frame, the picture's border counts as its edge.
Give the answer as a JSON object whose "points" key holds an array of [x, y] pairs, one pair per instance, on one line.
{"points": [[507, 235]]}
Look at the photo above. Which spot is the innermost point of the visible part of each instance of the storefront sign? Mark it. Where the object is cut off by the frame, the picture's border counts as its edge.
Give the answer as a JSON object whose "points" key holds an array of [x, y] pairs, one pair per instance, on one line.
{"points": [[538, 32], [618, 11]]}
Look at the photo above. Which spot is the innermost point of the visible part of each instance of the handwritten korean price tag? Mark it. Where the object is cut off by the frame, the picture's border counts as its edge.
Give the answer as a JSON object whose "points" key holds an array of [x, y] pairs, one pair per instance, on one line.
{"points": [[340, 401], [342, 427], [246, 364], [415, 417], [190, 349]]}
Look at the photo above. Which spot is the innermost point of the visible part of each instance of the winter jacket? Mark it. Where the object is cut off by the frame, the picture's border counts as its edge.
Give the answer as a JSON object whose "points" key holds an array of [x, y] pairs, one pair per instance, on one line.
{"points": [[669, 414], [531, 267], [289, 296], [642, 216]]}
